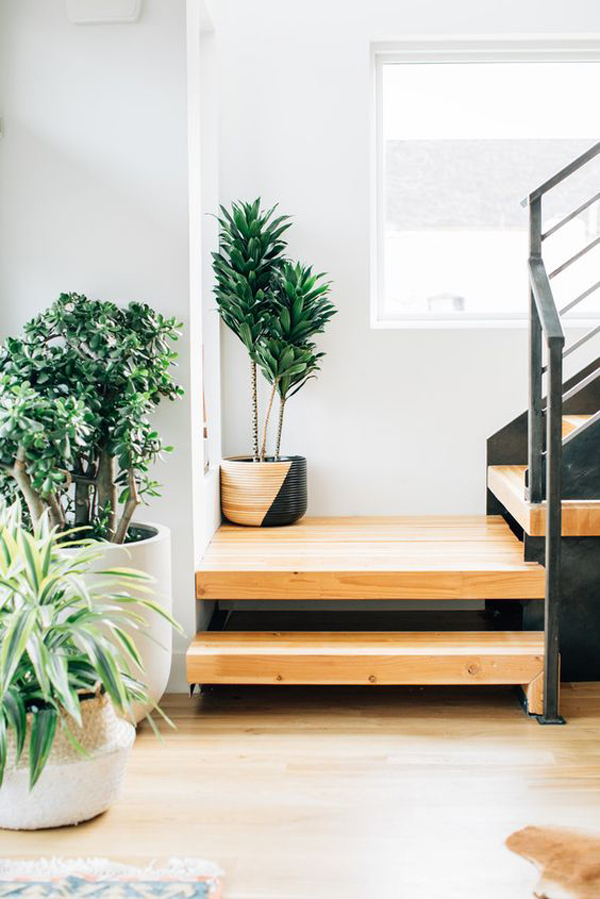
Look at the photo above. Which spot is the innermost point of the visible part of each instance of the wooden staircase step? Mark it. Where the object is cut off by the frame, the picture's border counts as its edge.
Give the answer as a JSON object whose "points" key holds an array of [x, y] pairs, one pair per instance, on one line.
{"points": [[570, 423], [237, 657], [580, 518], [432, 557]]}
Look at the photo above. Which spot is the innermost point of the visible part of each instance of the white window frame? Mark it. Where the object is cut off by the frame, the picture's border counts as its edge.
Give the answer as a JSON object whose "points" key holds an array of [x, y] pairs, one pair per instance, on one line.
{"points": [[428, 49]]}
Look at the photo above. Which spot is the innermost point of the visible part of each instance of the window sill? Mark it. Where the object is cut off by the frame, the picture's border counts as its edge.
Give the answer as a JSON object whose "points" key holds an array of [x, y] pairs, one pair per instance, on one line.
{"points": [[436, 324], [470, 324]]}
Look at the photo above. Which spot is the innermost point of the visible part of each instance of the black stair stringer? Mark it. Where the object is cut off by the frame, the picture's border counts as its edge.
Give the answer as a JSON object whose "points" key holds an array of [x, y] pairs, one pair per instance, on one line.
{"points": [[580, 605], [508, 446]]}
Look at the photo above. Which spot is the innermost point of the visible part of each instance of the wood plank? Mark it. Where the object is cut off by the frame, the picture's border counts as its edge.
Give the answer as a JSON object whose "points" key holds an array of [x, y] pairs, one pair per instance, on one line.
{"points": [[580, 518], [570, 423], [534, 693], [406, 557], [365, 658]]}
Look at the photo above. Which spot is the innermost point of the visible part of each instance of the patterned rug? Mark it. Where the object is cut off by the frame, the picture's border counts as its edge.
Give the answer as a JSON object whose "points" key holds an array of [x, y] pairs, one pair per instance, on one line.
{"points": [[98, 878]]}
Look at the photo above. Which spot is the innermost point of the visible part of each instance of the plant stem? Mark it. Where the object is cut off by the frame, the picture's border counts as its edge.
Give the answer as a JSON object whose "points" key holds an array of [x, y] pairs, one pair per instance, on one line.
{"points": [[279, 428], [107, 491], [33, 500], [131, 505], [263, 449], [82, 497], [57, 516], [254, 412]]}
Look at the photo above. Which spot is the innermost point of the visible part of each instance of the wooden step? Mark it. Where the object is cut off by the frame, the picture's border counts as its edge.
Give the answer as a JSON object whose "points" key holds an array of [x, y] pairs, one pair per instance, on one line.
{"points": [[449, 557], [580, 518], [570, 423], [236, 657]]}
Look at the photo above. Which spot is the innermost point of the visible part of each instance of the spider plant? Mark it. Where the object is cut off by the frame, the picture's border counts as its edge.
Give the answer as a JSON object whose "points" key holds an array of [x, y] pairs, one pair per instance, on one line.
{"points": [[64, 637]]}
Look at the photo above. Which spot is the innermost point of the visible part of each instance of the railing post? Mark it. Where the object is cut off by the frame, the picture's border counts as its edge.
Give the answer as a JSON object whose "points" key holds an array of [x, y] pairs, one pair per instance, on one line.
{"points": [[553, 533], [535, 426]]}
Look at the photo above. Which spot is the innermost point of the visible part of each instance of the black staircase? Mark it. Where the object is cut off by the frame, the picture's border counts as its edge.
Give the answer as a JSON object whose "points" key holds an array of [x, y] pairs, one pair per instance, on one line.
{"points": [[558, 468]]}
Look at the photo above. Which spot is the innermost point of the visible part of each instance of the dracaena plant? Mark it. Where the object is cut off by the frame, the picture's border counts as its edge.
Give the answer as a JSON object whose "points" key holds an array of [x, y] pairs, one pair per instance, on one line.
{"points": [[273, 305], [249, 257], [62, 639], [77, 391]]}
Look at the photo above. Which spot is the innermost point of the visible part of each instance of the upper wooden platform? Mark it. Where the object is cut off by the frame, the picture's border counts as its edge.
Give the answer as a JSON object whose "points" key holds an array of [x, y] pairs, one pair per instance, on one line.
{"points": [[450, 557], [580, 518]]}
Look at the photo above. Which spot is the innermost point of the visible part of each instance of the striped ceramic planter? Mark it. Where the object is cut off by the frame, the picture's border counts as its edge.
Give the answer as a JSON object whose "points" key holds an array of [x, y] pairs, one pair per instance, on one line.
{"points": [[263, 494]]}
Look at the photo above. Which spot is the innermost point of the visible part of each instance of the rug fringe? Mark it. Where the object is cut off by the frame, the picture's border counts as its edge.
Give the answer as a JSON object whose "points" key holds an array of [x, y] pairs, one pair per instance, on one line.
{"points": [[183, 869]]}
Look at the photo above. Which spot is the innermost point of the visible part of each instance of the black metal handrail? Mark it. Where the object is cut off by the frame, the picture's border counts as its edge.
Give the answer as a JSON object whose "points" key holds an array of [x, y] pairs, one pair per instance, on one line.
{"points": [[545, 464], [564, 173]]}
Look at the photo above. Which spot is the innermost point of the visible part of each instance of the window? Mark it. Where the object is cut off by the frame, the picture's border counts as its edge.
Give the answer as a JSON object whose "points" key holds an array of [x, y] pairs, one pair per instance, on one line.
{"points": [[463, 133]]}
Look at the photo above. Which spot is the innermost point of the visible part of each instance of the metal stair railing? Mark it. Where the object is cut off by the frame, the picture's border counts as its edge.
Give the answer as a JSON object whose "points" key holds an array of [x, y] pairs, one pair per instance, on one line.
{"points": [[545, 328]]}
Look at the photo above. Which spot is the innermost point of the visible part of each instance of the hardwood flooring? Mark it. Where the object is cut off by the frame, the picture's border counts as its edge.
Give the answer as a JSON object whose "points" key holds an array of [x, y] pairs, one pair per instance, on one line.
{"points": [[324, 793]]}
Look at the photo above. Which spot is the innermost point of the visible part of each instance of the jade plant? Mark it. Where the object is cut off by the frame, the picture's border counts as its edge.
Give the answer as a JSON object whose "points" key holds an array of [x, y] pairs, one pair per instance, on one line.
{"points": [[64, 637], [273, 305], [76, 395]]}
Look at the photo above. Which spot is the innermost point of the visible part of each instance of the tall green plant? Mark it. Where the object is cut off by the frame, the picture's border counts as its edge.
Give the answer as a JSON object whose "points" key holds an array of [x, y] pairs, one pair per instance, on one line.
{"points": [[62, 639], [302, 310], [273, 305], [76, 395], [250, 256]]}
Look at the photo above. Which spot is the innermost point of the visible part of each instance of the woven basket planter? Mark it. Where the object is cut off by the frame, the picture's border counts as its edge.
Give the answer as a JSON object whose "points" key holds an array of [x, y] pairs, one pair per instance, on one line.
{"points": [[72, 787], [263, 494]]}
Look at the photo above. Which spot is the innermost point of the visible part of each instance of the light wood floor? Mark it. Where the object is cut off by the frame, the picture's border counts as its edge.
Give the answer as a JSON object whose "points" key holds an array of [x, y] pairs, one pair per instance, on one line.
{"points": [[324, 793]]}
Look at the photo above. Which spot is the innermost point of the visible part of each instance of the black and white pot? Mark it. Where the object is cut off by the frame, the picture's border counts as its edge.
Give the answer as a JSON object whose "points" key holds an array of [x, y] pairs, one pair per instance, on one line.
{"points": [[263, 494]]}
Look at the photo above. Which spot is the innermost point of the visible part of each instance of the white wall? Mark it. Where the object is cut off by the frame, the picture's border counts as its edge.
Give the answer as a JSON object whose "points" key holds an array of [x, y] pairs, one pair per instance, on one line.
{"points": [[94, 195], [398, 419]]}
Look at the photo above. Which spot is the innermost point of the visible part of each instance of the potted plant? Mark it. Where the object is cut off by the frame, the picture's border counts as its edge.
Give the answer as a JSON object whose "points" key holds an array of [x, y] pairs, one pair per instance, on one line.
{"points": [[76, 442], [275, 307], [67, 658]]}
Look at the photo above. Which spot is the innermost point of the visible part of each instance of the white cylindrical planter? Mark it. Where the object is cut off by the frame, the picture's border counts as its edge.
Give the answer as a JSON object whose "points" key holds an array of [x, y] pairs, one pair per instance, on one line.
{"points": [[151, 555], [72, 787]]}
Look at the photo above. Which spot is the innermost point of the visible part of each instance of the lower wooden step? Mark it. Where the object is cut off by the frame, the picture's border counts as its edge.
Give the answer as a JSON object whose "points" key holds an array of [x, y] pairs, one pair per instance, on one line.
{"points": [[465, 657]]}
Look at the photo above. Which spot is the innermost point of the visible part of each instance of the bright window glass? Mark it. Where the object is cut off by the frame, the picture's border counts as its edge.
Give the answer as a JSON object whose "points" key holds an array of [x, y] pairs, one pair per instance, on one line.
{"points": [[459, 146]]}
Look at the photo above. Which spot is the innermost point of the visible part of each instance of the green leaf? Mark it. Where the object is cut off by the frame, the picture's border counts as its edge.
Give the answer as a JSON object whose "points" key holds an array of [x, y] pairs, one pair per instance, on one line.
{"points": [[13, 707], [17, 633], [3, 747], [43, 728]]}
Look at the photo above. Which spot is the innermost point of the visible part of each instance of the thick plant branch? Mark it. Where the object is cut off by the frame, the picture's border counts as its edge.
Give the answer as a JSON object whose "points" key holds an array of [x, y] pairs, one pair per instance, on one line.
{"points": [[131, 505], [279, 428], [57, 515], [82, 502], [32, 498], [107, 491]]}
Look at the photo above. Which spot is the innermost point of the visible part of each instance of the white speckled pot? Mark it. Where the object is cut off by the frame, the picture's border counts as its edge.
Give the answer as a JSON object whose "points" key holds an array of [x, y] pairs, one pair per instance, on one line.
{"points": [[152, 556], [72, 788]]}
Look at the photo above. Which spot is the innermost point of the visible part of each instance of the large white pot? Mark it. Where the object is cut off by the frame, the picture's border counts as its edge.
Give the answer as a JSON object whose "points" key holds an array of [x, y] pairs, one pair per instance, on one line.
{"points": [[72, 788], [152, 556]]}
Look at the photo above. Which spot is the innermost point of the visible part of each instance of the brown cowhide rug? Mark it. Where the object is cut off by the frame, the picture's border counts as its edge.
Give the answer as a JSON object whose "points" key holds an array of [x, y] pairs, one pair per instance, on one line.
{"points": [[568, 861]]}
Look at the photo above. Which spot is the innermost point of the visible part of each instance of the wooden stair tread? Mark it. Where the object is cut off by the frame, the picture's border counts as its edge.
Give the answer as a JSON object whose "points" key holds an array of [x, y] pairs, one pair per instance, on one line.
{"points": [[580, 518], [401, 557], [499, 657], [570, 423]]}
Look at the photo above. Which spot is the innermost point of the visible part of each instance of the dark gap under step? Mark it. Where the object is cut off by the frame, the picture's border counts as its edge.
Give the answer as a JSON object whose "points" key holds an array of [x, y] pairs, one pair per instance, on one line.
{"points": [[365, 620]]}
